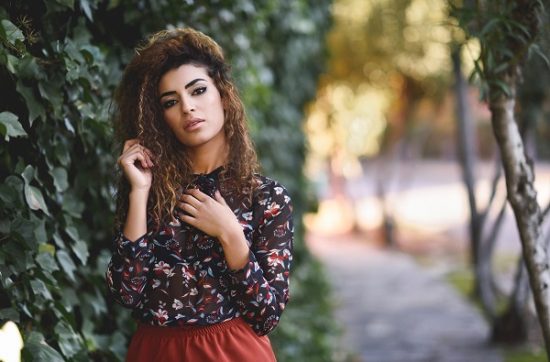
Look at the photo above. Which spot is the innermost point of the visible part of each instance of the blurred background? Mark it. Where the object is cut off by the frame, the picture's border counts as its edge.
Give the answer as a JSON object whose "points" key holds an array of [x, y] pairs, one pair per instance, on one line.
{"points": [[372, 113]]}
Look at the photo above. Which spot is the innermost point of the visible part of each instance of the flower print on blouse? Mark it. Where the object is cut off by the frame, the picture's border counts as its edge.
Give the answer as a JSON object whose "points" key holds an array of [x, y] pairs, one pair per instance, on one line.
{"points": [[178, 276]]}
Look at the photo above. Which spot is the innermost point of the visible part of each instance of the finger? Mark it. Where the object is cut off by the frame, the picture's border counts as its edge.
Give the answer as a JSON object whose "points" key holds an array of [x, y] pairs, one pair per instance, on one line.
{"points": [[219, 197], [197, 194], [147, 158], [131, 152], [142, 150], [130, 157], [142, 161], [187, 209], [188, 219], [188, 199], [150, 157], [129, 143]]}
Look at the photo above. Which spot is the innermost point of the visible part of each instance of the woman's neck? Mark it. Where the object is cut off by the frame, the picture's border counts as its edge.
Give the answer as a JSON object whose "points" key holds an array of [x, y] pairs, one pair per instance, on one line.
{"points": [[207, 160]]}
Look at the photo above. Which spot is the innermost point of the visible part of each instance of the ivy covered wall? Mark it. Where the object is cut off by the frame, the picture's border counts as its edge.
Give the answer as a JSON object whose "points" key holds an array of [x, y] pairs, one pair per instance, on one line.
{"points": [[59, 63]]}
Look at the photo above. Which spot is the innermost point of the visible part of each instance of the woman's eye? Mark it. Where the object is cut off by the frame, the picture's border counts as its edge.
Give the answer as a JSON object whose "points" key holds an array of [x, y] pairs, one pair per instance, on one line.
{"points": [[169, 103], [199, 90]]}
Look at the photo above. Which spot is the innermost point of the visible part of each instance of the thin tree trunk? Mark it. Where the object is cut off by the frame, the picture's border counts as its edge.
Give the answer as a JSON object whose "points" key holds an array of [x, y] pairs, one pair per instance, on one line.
{"points": [[522, 197], [466, 151], [480, 257], [388, 223]]}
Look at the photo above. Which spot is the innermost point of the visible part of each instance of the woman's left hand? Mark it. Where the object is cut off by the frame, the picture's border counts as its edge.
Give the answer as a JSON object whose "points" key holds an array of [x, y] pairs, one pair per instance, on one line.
{"points": [[210, 215]]}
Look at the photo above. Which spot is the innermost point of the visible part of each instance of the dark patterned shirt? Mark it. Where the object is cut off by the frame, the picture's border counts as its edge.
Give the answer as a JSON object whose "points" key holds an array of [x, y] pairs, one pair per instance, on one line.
{"points": [[179, 276]]}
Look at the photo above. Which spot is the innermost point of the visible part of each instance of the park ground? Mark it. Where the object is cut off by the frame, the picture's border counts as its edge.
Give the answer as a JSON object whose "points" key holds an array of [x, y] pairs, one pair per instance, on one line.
{"points": [[399, 304]]}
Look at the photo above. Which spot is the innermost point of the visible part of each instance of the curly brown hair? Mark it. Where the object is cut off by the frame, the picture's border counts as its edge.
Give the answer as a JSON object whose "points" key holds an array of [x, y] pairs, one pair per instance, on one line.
{"points": [[139, 115]]}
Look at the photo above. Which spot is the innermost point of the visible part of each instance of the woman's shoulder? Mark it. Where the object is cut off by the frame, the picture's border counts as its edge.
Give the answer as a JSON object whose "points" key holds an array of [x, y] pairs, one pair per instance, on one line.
{"points": [[267, 187]]}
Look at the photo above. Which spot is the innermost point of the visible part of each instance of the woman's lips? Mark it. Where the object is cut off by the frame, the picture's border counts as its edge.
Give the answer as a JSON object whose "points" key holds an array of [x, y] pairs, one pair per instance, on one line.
{"points": [[193, 124]]}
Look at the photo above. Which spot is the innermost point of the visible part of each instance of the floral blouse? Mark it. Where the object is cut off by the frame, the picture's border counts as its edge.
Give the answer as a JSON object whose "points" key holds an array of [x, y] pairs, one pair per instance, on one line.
{"points": [[179, 277]]}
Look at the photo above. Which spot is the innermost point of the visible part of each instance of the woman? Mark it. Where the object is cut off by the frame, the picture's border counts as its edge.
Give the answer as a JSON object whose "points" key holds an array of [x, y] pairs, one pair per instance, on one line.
{"points": [[204, 244]]}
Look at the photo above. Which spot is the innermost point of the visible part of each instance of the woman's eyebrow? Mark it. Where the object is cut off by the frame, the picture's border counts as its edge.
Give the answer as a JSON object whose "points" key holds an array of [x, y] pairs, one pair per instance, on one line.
{"points": [[186, 86], [193, 82]]}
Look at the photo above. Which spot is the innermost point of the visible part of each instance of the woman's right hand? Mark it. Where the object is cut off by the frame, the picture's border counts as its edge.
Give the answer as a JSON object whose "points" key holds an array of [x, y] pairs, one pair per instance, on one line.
{"points": [[136, 161]]}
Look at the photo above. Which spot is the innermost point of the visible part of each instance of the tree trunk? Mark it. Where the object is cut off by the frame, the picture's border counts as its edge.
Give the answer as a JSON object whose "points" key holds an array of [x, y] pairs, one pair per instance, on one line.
{"points": [[388, 222], [480, 257], [466, 150], [514, 325], [522, 196]]}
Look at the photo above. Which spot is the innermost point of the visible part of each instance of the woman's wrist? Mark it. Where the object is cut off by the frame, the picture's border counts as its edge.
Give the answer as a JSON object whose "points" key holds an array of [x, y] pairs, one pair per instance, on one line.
{"points": [[232, 235], [136, 219], [235, 248], [139, 194]]}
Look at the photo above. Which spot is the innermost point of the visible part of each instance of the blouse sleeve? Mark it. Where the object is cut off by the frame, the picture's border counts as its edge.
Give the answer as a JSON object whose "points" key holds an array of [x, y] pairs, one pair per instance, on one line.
{"points": [[261, 286], [127, 271]]}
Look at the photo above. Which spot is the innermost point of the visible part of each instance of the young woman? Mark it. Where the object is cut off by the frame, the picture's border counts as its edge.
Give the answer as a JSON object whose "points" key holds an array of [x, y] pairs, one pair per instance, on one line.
{"points": [[204, 244]]}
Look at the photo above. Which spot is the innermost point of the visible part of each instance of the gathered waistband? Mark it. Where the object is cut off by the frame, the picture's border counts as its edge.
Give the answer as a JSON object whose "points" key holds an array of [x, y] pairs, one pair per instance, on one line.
{"points": [[189, 330]]}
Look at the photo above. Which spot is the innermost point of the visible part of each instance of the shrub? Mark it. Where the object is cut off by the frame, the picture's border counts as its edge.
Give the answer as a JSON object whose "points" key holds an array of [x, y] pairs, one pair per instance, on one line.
{"points": [[59, 63]]}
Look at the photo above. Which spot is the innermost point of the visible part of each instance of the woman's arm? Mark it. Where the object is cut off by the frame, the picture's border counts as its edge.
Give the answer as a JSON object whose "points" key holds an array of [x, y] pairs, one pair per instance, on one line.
{"points": [[127, 271], [136, 220], [259, 274], [261, 286], [213, 216]]}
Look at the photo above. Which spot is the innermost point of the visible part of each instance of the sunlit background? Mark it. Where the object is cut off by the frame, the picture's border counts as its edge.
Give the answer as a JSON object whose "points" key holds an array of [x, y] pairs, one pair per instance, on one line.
{"points": [[354, 106], [384, 159]]}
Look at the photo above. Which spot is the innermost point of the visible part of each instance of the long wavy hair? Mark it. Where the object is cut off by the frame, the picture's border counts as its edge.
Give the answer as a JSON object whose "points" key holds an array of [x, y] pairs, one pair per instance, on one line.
{"points": [[139, 115]]}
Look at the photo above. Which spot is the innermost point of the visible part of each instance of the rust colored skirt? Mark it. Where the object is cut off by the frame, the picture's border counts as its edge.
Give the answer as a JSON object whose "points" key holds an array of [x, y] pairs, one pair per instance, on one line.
{"points": [[229, 341]]}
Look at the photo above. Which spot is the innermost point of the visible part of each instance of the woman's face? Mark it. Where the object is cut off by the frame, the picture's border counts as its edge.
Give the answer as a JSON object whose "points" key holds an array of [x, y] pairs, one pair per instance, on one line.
{"points": [[192, 106]]}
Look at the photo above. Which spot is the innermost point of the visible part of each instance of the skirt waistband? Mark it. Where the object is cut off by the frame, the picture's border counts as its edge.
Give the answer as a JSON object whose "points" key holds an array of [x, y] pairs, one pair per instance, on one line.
{"points": [[189, 330]]}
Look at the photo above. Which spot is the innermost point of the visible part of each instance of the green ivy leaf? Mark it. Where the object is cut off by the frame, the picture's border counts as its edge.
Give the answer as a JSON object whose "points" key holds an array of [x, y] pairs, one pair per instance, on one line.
{"points": [[66, 304], [40, 232], [72, 232], [25, 309], [62, 153], [67, 3], [58, 240], [80, 248], [72, 205], [66, 263], [39, 350], [23, 231], [28, 174], [33, 105], [10, 126], [69, 342], [69, 125], [28, 68], [35, 200], [11, 33], [9, 314], [60, 179], [39, 288], [11, 62], [85, 5], [47, 262], [9, 191], [52, 91], [46, 248], [92, 54]]}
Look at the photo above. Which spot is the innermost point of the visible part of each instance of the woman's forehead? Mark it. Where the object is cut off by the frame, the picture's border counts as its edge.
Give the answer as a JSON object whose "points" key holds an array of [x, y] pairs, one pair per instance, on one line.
{"points": [[184, 74]]}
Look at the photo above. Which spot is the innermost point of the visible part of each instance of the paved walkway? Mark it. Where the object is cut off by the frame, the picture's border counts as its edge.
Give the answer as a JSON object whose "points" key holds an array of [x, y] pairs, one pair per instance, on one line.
{"points": [[393, 310]]}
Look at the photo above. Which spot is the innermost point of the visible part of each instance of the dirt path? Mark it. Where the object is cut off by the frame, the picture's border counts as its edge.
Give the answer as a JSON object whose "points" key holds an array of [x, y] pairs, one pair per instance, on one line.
{"points": [[393, 310]]}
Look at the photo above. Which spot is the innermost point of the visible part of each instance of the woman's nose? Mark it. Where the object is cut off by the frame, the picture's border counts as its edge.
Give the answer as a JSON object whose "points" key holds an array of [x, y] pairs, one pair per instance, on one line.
{"points": [[187, 105]]}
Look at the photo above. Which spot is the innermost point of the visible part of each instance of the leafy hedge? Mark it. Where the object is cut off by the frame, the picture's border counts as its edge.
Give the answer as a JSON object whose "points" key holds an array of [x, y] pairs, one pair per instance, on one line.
{"points": [[59, 63]]}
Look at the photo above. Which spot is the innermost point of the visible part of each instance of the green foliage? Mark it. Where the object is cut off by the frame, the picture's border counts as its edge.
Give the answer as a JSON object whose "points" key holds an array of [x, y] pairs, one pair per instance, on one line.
{"points": [[507, 33], [59, 63]]}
